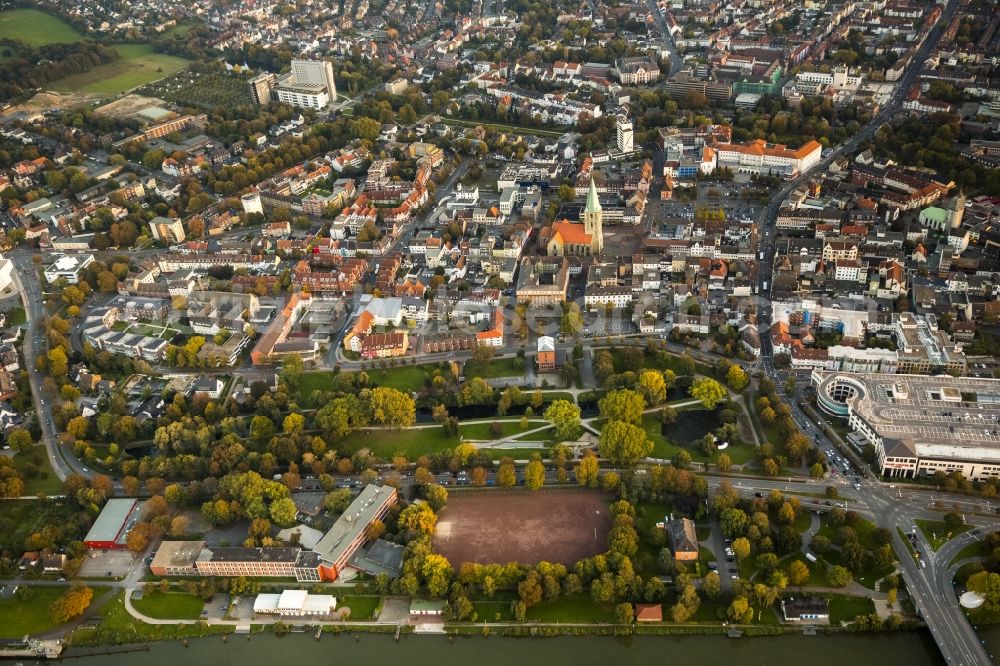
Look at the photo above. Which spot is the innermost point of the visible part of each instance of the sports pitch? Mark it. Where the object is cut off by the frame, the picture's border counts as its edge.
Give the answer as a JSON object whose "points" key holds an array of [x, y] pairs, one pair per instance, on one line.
{"points": [[527, 527]]}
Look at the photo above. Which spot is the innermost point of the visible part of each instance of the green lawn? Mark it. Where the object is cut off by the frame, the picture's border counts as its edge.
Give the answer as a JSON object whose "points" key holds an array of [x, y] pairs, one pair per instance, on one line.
{"points": [[169, 605], [16, 316], [688, 422], [405, 378], [543, 435], [492, 611], [573, 608], [20, 618], [138, 65], [362, 607], [412, 442], [817, 570], [498, 367], [937, 533], [36, 28], [845, 609], [520, 454], [37, 472], [481, 431], [974, 549], [803, 520], [116, 626]]}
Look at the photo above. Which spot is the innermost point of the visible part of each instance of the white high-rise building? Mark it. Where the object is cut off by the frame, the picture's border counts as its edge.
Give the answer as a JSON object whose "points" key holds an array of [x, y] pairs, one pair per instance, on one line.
{"points": [[309, 84], [316, 72], [624, 127]]}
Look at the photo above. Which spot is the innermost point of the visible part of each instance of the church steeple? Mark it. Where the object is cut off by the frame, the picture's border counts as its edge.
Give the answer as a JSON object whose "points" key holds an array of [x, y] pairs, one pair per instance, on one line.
{"points": [[957, 210], [593, 203], [593, 220]]}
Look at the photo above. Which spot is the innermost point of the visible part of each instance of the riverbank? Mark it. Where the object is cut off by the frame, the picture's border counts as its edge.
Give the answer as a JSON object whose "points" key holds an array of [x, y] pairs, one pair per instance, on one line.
{"points": [[895, 649]]}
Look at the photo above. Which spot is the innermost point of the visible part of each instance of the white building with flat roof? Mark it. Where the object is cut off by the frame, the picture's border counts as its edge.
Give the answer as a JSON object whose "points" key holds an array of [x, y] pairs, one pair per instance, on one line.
{"points": [[918, 424], [294, 603], [67, 267]]}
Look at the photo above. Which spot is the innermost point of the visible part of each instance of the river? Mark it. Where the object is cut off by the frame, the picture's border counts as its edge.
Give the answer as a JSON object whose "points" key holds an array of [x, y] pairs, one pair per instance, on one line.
{"points": [[889, 649]]}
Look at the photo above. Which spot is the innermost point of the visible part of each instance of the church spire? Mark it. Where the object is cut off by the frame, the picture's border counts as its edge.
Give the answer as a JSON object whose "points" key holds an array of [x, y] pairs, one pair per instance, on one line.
{"points": [[593, 203]]}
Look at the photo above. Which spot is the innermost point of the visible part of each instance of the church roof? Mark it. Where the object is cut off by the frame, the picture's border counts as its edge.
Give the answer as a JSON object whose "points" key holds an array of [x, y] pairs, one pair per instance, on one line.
{"points": [[572, 233]]}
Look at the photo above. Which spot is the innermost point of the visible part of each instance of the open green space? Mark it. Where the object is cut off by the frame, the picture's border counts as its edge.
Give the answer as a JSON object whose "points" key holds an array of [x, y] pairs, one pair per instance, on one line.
{"points": [[169, 605], [571, 608], [974, 549], [512, 129], [37, 472], [362, 607], [937, 532], [817, 570], [405, 378], [411, 442], [844, 608], [116, 626], [691, 425], [138, 65], [31, 616], [540, 436], [517, 454], [492, 611], [481, 431], [36, 28], [498, 367], [20, 518], [16, 316], [868, 575]]}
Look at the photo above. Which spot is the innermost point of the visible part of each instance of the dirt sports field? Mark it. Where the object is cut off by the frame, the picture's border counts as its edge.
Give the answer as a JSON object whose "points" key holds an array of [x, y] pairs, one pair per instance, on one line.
{"points": [[498, 527]]}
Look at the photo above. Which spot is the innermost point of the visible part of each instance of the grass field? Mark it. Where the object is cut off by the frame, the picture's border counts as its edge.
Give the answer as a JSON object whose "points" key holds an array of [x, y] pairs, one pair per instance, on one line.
{"points": [[116, 626], [169, 605], [20, 618], [573, 608], [137, 66], [362, 607], [937, 533], [481, 431], [36, 28], [412, 443], [499, 367], [405, 378], [845, 609], [37, 472]]}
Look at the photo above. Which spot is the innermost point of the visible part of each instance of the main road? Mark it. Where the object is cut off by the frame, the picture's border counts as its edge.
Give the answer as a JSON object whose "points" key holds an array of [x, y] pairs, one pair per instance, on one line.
{"points": [[930, 586], [27, 283]]}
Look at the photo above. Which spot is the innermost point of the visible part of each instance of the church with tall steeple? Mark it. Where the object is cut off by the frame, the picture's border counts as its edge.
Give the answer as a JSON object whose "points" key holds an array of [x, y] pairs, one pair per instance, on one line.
{"points": [[573, 239]]}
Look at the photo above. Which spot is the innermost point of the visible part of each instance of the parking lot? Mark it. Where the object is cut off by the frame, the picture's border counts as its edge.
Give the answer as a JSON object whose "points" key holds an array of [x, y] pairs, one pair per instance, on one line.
{"points": [[106, 564]]}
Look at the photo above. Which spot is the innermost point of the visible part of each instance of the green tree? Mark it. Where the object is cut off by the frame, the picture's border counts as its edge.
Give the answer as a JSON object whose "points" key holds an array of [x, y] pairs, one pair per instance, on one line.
{"points": [[565, 417], [436, 495], [737, 378], [624, 443], [622, 405], [624, 613], [389, 406], [798, 572], [652, 386], [73, 603], [19, 440], [283, 512], [534, 475], [838, 576], [708, 391], [587, 471]]}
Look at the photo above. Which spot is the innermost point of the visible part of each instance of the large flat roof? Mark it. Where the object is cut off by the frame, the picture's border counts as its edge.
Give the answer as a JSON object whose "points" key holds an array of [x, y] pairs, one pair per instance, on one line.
{"points": [[111, 523], [362, 511], [944, 416]]}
